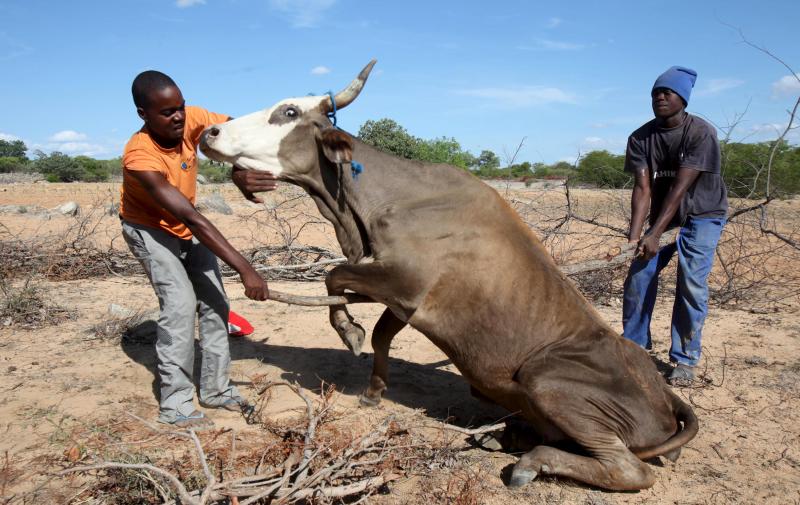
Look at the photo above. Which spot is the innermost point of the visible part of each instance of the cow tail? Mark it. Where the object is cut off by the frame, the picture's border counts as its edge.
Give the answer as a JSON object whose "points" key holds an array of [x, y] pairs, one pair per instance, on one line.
{"points": [[685, 417]]}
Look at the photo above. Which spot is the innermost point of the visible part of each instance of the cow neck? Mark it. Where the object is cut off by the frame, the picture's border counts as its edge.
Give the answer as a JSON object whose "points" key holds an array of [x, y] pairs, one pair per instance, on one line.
{"points": [[328, 189]]}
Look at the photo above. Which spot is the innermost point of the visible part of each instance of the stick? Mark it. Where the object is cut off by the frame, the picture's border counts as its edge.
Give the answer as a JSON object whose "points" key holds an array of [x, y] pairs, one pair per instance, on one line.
{"points": [[179, 487], [612, 259], [473, 431], [623, 255], [347, 490], [317, 301], [210, 480]]}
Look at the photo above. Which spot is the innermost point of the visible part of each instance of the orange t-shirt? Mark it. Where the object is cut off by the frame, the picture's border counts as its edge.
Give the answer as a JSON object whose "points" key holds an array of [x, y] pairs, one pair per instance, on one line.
{"points": [[178, 165]]}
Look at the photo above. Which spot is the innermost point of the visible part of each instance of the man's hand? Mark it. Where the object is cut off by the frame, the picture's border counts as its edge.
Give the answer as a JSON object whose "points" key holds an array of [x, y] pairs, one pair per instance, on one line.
{"points": [[253, 181], [648, 246], [255, 287]]}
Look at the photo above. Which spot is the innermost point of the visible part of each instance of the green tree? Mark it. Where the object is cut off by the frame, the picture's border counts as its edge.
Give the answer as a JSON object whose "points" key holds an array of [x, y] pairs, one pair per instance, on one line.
{"points": [[388, 136], [603, 169], [214, 171], [745, 169], [12, 164], [13, 149], [444, 150], [93, 170], [487, 160], [112, 167], [58, 167]]}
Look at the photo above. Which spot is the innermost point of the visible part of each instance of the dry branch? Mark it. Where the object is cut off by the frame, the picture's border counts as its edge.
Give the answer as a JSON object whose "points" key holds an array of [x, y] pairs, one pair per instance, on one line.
{"points": [[311, 460]]}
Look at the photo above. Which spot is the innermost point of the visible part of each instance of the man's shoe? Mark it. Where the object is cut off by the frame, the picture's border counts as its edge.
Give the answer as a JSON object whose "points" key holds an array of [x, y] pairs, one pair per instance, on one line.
{"points": [[681, 375]]}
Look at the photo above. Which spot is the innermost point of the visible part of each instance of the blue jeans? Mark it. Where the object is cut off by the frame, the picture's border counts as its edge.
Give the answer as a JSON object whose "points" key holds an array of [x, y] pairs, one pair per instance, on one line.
{"points": [[696, 243]]}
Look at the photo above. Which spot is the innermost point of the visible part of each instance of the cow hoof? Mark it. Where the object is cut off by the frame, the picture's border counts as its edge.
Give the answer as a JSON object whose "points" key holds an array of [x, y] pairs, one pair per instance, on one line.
{"points": [[520, 477], [352, 334], [366, 401]]}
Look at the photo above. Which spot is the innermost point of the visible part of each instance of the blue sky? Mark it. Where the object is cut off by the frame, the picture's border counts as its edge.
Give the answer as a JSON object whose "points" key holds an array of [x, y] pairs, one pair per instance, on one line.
{"points": [[569, 77]]}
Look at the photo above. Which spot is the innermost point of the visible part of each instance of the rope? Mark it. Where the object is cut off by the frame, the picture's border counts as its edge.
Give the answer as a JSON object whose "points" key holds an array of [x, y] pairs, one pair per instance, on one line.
{"points": [[332, 114], [356, 168]]}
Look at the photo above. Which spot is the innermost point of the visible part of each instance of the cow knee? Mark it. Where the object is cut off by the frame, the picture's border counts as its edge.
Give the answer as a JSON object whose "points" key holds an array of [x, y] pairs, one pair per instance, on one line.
{"points": [[630, 476]]}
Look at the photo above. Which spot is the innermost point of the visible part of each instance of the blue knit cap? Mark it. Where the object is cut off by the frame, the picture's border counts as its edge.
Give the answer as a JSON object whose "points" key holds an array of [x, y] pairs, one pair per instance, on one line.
{"points": [[678, 79]]}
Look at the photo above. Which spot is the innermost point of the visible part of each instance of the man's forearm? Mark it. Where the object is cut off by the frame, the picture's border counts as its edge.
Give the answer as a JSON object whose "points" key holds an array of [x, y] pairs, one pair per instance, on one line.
{"points": [[668, 210], [640, 202], [672, 202], [209, 236]]}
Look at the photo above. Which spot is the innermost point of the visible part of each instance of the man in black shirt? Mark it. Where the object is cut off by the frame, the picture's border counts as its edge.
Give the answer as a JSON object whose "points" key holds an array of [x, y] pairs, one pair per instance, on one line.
{"points": [[676, 162]]}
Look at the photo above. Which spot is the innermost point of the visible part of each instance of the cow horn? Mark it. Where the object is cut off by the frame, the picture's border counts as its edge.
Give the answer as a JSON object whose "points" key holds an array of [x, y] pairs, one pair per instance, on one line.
{"points": [[347, 95]]}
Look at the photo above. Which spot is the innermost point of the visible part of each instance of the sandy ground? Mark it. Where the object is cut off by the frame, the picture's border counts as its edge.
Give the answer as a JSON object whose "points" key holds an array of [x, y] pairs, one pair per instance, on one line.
{"points": [[748, 402]]}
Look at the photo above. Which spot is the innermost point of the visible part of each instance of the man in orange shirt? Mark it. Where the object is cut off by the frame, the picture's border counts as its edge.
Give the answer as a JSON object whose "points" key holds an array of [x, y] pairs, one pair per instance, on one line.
{"points": [[178, 248]]}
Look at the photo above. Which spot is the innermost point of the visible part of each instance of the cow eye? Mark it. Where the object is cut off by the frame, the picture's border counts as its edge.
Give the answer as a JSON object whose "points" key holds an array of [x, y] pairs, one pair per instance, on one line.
{"points": [[290, 112]]}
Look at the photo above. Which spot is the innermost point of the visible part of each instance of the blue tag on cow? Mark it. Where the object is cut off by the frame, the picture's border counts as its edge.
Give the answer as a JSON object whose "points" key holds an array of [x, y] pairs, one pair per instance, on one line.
{"points": [[184, 165], [355, 169]]}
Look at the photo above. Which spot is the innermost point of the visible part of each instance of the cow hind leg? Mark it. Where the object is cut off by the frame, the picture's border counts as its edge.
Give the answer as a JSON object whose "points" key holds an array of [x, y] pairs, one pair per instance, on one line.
{"points": [[385, 329], [617, 469]]}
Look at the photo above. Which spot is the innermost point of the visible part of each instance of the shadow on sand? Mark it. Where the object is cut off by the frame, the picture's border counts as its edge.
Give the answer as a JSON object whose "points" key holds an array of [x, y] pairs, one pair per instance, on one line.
{"points": [[441, 393]]}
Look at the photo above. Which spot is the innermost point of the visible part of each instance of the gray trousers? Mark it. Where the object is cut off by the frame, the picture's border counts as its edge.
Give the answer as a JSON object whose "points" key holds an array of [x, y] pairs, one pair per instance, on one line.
{"points": [[185, 276]]}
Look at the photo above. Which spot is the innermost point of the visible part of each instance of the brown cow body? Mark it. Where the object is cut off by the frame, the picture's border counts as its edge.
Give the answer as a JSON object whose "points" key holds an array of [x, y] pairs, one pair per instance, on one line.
{"points": [[447, 255]]}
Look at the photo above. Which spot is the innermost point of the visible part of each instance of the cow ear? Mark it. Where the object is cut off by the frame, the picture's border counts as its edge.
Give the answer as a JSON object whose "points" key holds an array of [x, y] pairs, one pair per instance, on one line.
{"points": [[336, 145]]}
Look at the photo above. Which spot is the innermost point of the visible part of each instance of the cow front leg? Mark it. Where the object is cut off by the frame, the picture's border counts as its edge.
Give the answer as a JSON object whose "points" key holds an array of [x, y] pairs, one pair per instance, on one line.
{"points": [[375, 280], [386, 328], [351, 333], [338, 280]]}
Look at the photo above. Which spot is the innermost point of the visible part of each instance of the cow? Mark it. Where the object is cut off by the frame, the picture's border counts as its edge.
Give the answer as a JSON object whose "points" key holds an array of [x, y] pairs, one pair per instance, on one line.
{"points": [[446, 254]]}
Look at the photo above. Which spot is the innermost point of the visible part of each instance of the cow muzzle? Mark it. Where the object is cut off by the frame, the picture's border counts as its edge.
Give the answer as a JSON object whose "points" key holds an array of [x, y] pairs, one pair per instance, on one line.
{"points": [[207, 139]]}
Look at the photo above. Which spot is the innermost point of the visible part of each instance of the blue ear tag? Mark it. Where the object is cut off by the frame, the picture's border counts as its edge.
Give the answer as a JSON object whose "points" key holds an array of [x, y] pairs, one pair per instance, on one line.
{"points": [[184, 165], [355, 169]]}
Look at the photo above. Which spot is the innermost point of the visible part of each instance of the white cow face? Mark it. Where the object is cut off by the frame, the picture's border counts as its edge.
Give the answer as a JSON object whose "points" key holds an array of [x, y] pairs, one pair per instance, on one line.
{"points": [[286, 138], [267, 140]]}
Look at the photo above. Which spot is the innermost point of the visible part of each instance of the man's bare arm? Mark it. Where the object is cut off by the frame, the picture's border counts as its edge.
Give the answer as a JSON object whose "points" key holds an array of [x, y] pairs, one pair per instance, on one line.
{"points": [[173, 201], [640, 203], [648, 246], [253, 181]]}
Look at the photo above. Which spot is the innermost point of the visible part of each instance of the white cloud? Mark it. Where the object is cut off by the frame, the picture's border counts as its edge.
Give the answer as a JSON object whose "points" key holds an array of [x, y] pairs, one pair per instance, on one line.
{"points": [[787, 85], [773, 129], [715, 86], [524, 96], [320, 70], [74, 148], [12, 48], [188, 3], [612, 144], [8, 137], [552, 45], [67, 136], [554, 22], [302, 13]]}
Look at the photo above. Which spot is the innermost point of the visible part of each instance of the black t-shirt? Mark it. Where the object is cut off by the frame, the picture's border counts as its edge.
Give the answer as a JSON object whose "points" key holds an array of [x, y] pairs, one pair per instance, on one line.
{"points": [[692, 144]]}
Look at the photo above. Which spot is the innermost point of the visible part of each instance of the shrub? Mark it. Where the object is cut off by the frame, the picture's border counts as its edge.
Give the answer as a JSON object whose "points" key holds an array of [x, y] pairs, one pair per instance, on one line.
{"points": [[10, 164], [93, 170], [214, 172], [603, 169], [58, 167]]}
